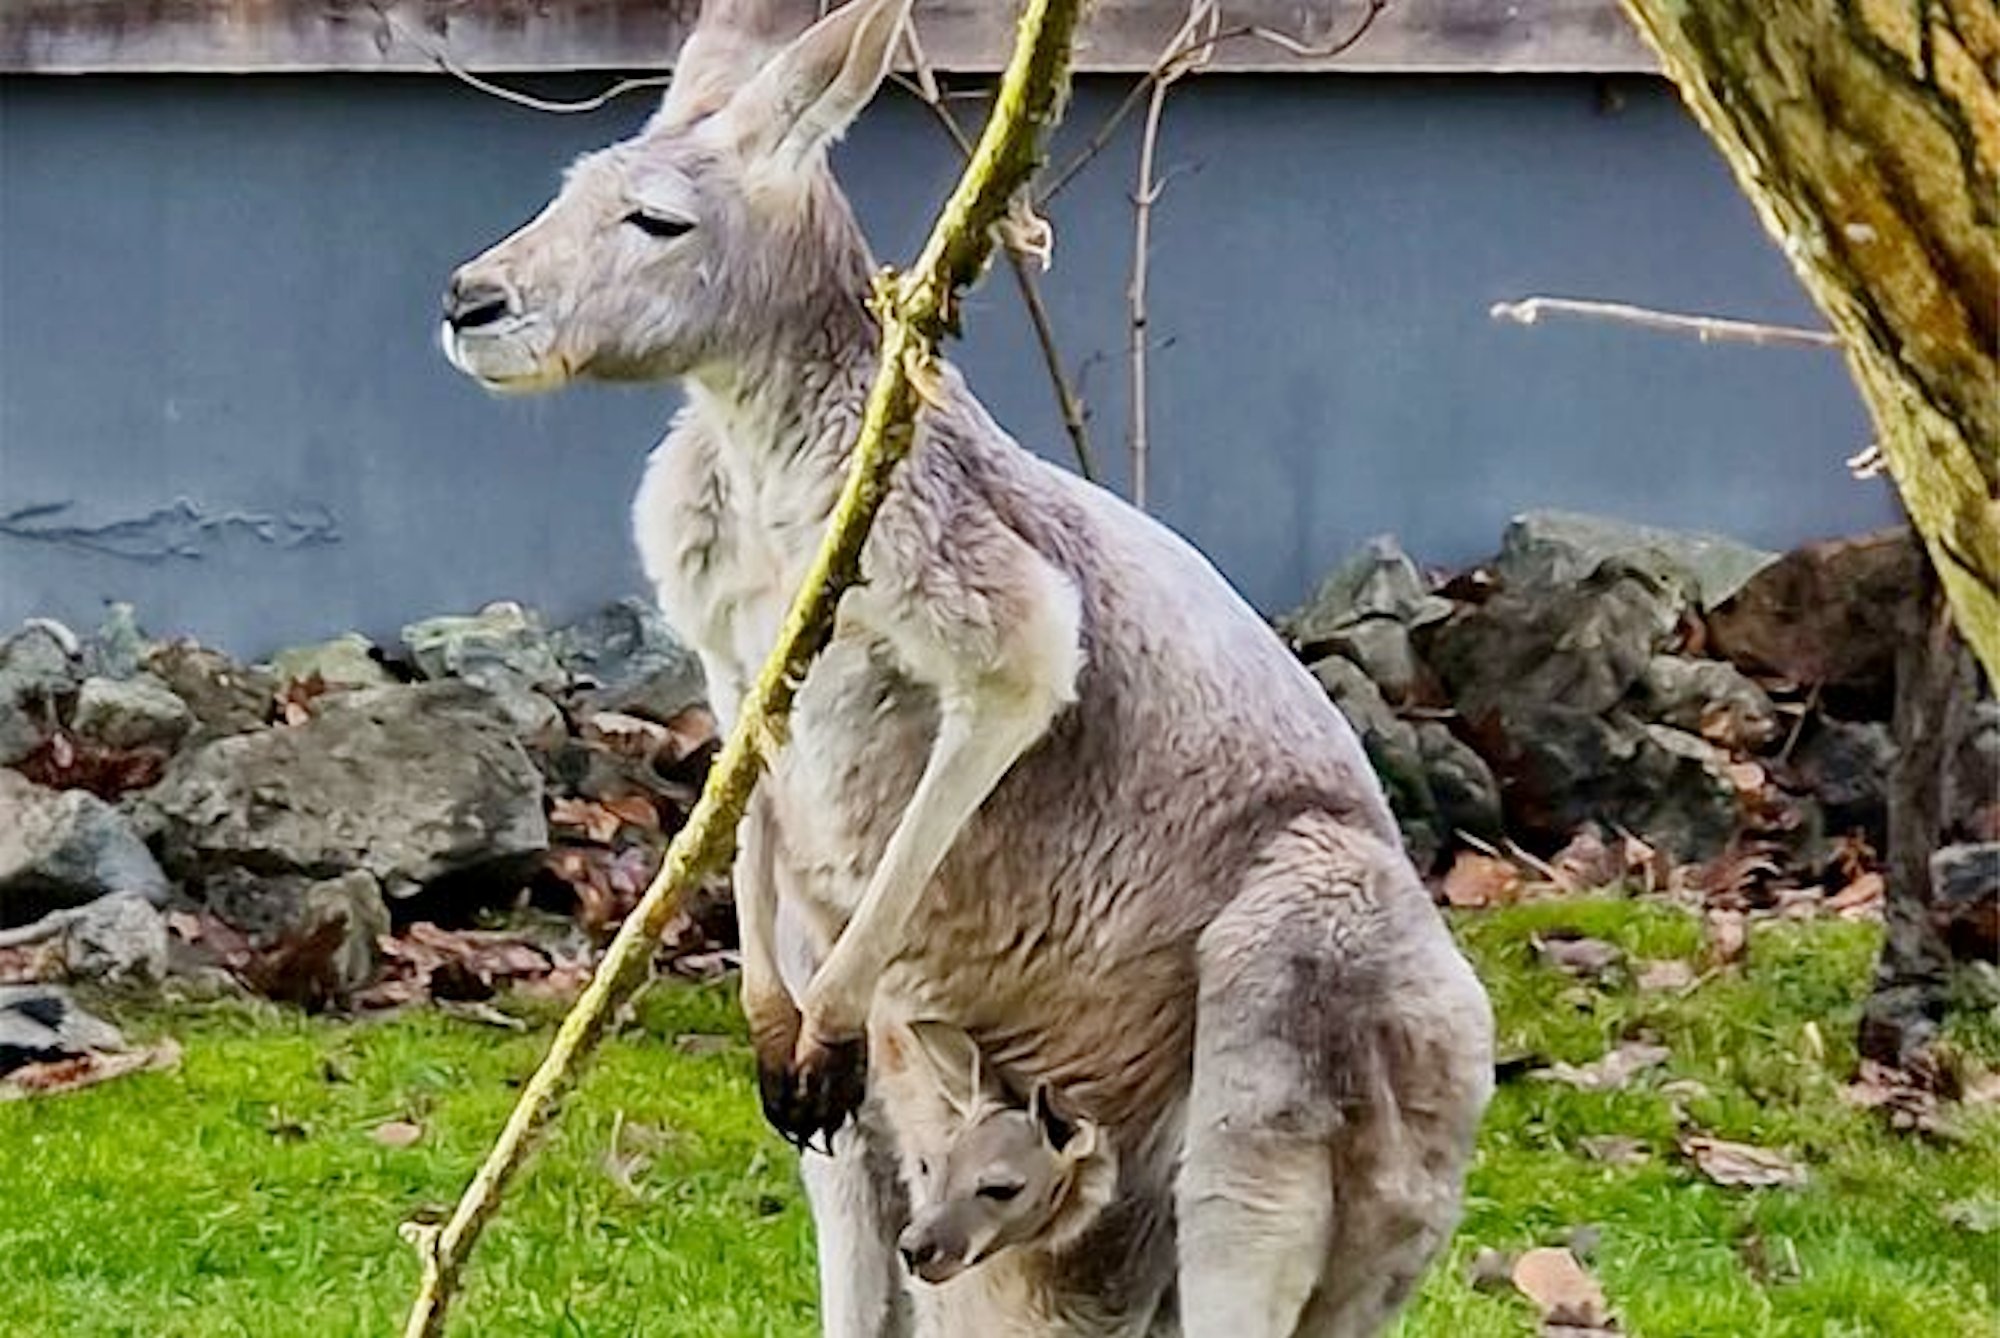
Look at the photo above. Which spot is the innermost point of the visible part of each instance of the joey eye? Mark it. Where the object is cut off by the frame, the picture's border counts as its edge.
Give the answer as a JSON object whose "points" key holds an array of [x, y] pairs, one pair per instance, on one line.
{"points": [[659, 225], [923, 1167], [999, 1193]]}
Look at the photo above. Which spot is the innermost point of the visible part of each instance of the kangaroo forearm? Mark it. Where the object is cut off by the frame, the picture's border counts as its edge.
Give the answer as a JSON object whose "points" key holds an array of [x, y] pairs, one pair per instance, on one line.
{"points": [[974, 749]]}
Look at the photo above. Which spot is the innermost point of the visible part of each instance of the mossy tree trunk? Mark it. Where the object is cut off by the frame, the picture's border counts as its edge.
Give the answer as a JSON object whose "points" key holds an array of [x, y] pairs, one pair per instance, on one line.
{"points": [[1867, 135]]}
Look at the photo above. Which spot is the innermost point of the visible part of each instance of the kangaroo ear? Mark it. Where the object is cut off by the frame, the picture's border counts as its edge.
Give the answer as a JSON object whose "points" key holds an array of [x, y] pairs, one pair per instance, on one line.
{"points": [[807, 95], [1058, 1132], [955, 1065], [730, 42]]}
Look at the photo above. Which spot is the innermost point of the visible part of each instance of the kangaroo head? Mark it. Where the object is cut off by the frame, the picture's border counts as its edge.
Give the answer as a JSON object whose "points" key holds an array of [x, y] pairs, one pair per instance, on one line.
{"points": [[716, 226], [1011, 1172]]}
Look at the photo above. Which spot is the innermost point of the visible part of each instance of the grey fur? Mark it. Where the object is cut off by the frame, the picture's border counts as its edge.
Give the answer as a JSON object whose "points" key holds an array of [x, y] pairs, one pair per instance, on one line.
{"points": [[1053, 780]]}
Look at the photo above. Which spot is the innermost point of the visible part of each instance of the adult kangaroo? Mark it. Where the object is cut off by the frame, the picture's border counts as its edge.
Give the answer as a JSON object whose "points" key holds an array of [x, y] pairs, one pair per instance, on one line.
{"points": [[1053, 781]]}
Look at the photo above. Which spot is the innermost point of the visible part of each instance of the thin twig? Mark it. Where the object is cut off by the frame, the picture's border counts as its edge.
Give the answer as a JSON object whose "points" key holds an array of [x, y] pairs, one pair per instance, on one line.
{"points": [[451, 67], [1195, 37], [925, 88], [916, 312], [1708, 329], [1164, 69]]}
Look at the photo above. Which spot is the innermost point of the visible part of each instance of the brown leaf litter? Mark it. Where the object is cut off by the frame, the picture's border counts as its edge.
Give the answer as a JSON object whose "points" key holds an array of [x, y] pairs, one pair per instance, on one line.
{"points": [[1742, 1164], [75, 1072], [1612, 1071], [1571, 1302]]}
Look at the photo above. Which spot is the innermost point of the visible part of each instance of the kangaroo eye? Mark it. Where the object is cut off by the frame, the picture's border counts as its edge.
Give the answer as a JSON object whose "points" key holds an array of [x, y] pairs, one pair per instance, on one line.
{"points": [[999, 1193], [658, 225], [923, 1167]]}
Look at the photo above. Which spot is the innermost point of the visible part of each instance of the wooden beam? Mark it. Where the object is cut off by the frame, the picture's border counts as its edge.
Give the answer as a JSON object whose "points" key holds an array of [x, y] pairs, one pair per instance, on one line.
{"points": [[497, 36]]}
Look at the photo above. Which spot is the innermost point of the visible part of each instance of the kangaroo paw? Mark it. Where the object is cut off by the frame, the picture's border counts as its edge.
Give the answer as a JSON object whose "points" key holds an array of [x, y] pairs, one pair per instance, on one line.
{"points": [[815, 1091]]}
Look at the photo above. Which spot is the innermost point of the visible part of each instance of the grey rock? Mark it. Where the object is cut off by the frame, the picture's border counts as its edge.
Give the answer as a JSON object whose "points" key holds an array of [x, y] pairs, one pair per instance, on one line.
{"points": [[502, 635], [38, 672], [61, 848], [135, 712], [354, 902], [1702, 696], [1845, 766], [626, 658], [226, 697], [1580, 646], [1360, 700], [1565, 768], [319, 938], [347, 661], [411, 784], [118, 940], [118, 648], [1467, 795], [41, 1023], [1544, 549], [1380, 581], [1975, 773], [1829, 613], [504, 649], [1382, 648], [1394, 751], [1966, 873]]}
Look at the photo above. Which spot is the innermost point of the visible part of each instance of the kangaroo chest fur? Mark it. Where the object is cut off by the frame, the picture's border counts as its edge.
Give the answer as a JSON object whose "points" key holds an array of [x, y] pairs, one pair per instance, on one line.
{"points": [[1060, 928]]}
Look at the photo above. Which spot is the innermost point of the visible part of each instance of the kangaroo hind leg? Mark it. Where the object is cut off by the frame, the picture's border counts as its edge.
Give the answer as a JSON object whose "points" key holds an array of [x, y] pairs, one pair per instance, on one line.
{"points": [[1342, 1059]]}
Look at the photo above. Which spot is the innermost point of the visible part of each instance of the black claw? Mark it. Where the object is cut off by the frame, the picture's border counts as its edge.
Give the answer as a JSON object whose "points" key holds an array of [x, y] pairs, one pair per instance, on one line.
{"points": [[808, 1106]]}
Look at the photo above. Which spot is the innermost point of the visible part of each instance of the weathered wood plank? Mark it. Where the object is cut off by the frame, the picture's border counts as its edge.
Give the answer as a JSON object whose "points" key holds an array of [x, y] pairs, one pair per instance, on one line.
{"points": [[81, 36]]}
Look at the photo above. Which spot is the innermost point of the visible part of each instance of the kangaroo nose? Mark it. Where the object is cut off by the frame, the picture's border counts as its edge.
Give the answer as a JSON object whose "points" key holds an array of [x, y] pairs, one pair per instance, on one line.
{"points": [[471, 303]]}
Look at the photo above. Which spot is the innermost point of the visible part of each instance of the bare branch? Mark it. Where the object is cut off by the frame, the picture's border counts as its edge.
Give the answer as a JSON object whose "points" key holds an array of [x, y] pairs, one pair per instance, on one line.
{"points": [[1170, 66], [451, 67], [1708, 329], [1192, 47]]}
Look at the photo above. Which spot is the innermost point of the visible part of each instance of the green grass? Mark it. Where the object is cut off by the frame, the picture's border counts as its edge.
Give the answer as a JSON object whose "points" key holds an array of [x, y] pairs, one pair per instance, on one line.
{"points": [[244, 1193]]}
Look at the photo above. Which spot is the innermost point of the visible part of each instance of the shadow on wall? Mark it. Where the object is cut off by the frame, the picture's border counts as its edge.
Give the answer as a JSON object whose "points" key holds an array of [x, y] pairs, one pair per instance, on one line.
{"points": [[220, 400]]}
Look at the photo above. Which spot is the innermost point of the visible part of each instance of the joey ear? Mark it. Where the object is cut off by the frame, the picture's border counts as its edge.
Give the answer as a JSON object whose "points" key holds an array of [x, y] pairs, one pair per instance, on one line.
{"points": [[1056, 1131], [807, 95], [955, 1065]]}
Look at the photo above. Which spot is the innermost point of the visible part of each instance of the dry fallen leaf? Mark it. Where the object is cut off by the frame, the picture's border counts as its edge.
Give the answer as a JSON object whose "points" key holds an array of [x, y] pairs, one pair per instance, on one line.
{"points": [[1664, 974], [1477, 880], [1861, 899], [1561, 1289], [86, 1070], [1728, 1163], [1982, 1089], [1728, 934], [1615, 1149], [1612, 1071], [1587, 862], [396, 1133], [1587, 958], [1746, 776]]}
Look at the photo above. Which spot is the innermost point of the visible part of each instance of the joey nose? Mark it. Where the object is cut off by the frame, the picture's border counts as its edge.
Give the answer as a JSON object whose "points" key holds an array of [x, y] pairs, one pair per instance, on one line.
{"points": [[470, 303], [916, 1250]]}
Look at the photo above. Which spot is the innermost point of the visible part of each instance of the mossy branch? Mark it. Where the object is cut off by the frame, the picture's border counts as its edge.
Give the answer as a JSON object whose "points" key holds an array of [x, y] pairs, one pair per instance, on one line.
{"points": [[916, 309]]}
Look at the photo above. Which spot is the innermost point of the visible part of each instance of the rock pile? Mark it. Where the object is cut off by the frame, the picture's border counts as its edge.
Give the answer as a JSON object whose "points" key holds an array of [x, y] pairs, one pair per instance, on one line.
{"points": [[1715, 702], [1595, 692], [281, 818]]}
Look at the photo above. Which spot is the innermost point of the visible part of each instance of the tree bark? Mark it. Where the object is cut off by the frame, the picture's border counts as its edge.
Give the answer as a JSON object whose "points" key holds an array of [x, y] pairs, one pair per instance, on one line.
{"points": [[1867, 135], [1934, 692]]}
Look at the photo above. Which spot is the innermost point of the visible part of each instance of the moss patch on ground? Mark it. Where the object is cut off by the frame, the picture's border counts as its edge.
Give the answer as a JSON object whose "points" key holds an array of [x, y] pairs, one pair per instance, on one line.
{"points": [[248, 1191]]}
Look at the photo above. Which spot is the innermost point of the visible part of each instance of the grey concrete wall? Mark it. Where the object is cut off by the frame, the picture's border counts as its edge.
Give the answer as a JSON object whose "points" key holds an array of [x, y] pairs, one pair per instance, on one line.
{"points": [[219, 396]]}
